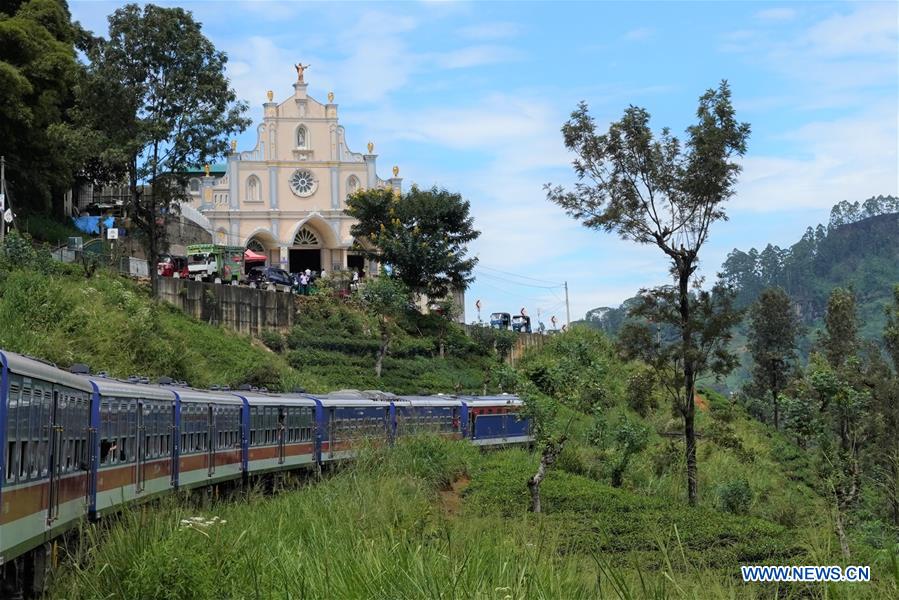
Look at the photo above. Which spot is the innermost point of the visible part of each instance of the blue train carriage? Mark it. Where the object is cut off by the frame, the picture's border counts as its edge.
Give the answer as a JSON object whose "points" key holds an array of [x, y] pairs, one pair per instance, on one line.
{"points": [[281, 431], [46, 439], [209, 437], [496, 420], [439, 414], [133, 449], [350, 418]]}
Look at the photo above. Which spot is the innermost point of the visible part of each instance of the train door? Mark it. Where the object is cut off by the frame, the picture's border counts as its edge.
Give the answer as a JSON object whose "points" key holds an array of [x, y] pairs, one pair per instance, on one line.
{"points": [[140, 448], [210, 440], [50, 406], [332, 431], [282, 430]]}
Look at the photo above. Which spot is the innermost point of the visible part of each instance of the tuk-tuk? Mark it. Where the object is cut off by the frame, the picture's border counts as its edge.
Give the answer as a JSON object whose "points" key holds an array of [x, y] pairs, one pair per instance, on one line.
{"points": [[500, 320], [521, 324]]}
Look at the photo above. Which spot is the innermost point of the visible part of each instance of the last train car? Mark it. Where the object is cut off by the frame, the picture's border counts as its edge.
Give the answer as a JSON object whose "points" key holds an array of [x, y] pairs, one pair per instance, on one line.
{"points": [[497, 420]]}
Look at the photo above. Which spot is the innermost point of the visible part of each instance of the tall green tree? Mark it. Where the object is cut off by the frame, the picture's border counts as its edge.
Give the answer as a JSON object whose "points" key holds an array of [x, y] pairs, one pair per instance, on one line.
{"points": [[422, 234], [891, 331], [159, 93], [773, 327], [39, 76], [658, 191], [840, 338], [384, 298]]}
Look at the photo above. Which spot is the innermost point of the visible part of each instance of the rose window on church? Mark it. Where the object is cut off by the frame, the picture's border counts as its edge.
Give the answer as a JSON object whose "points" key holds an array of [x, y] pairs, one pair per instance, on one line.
{"points": [[302, 183]]}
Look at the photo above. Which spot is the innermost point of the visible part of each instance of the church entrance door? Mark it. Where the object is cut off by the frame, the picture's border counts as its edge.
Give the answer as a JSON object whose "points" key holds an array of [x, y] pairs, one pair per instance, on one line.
{"points": [[300, 260]]}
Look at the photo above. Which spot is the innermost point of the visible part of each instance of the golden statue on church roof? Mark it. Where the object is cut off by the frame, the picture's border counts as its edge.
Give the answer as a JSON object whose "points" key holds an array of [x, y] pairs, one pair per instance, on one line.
{"points": [[371, 147], [301, 68]]}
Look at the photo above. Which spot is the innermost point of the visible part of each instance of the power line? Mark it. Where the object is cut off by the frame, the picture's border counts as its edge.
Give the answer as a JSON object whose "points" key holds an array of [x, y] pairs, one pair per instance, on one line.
{"points": [[481, 266], [513, 282]]}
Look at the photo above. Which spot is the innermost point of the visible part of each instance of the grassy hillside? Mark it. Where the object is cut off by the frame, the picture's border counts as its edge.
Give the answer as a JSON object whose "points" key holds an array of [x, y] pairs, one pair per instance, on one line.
{"points": [[53, 312], [438, 519]]}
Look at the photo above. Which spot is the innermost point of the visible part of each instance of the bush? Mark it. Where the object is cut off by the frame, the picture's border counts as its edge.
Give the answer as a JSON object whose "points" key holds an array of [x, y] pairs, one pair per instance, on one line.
{"points": [[735, 496], [641, 391], [273, 340]]}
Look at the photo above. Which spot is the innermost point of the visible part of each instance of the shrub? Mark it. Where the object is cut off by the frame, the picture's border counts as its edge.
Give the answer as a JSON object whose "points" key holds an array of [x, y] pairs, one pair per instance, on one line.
{"points": [[273, 340], [641, 391], [735, 496]]}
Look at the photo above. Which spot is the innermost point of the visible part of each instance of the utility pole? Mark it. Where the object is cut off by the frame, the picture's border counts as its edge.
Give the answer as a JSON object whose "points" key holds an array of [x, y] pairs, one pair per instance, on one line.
{"points": [[567, 309]]}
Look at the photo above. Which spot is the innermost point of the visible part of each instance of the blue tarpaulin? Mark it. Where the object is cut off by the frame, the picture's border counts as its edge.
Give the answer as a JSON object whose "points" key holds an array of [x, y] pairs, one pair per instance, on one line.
{"points": [[90, 224]]}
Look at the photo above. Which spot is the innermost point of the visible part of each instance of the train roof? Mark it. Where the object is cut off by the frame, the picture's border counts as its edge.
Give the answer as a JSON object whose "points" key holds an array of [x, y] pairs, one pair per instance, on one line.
{"points": [[38, 369], [124, 389], [436, 400], [493, 400], [355, 398], [186, 394], [264, 399]]}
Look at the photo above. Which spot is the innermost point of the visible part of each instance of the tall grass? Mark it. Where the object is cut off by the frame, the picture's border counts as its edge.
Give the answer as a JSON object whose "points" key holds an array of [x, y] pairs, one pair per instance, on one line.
{"points": [[376, 529]]}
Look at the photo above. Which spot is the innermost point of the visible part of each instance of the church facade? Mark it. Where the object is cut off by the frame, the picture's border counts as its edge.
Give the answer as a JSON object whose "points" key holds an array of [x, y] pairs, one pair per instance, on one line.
{"points": [[286, 198]]}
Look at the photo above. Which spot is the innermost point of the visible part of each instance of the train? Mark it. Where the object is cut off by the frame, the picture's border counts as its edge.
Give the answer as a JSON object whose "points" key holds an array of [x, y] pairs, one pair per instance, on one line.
{"points": [[79, 446]]}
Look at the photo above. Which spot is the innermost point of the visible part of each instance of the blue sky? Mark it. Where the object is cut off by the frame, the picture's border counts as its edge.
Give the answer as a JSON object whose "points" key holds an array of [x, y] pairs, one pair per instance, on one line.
{"points": [[471, 96]]}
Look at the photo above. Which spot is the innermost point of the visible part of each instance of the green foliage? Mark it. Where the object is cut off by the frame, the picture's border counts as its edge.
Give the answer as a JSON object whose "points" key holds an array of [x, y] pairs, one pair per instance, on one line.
{"points": [[891, 331], [39, 75], [174, 109], [855, 250], [273, 340], [579, 368], [630, 438], [67, 319], [735, 496], [773, 328], [640, 392], [422, 234], [840, 339], [47, 229], [621, 525], [335, 343]]}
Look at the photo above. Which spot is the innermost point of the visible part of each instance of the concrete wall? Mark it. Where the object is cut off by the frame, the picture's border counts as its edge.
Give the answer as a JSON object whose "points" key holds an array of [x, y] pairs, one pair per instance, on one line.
{"points": [[243, 309], [524, 342]]}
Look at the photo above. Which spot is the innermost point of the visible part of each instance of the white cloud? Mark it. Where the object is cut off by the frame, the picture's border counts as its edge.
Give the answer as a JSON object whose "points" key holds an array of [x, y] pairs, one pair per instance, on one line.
{"points": [[490, 31], [869, 30], [776, 14], [639, 34], [850, 158], [474, 56]]}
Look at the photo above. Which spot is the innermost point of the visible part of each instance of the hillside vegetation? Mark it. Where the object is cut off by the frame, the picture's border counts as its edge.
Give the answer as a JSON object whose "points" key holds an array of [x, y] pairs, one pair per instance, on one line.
{"points": [[857, 249], [432, 518], [52, 311]]}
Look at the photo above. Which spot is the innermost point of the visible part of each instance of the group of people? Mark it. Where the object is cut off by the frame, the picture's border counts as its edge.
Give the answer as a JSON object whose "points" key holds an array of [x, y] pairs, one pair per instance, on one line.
{"points": [[304, 280]]}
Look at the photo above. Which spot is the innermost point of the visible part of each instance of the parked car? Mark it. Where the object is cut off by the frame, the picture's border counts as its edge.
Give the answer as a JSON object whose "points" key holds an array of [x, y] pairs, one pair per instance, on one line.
{"points": [[172, 266], [265, 277]]}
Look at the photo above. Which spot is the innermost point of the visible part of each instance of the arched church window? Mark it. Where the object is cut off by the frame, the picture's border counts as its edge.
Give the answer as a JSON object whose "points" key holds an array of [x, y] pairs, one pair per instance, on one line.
{"points": [[253, 189], [256, 246], [352, 185], [305, 237], [194, 184], [302, 136]]}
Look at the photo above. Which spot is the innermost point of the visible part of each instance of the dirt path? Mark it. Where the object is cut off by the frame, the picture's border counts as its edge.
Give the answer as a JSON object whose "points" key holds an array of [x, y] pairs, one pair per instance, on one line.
{"points": [[451, 498]]}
